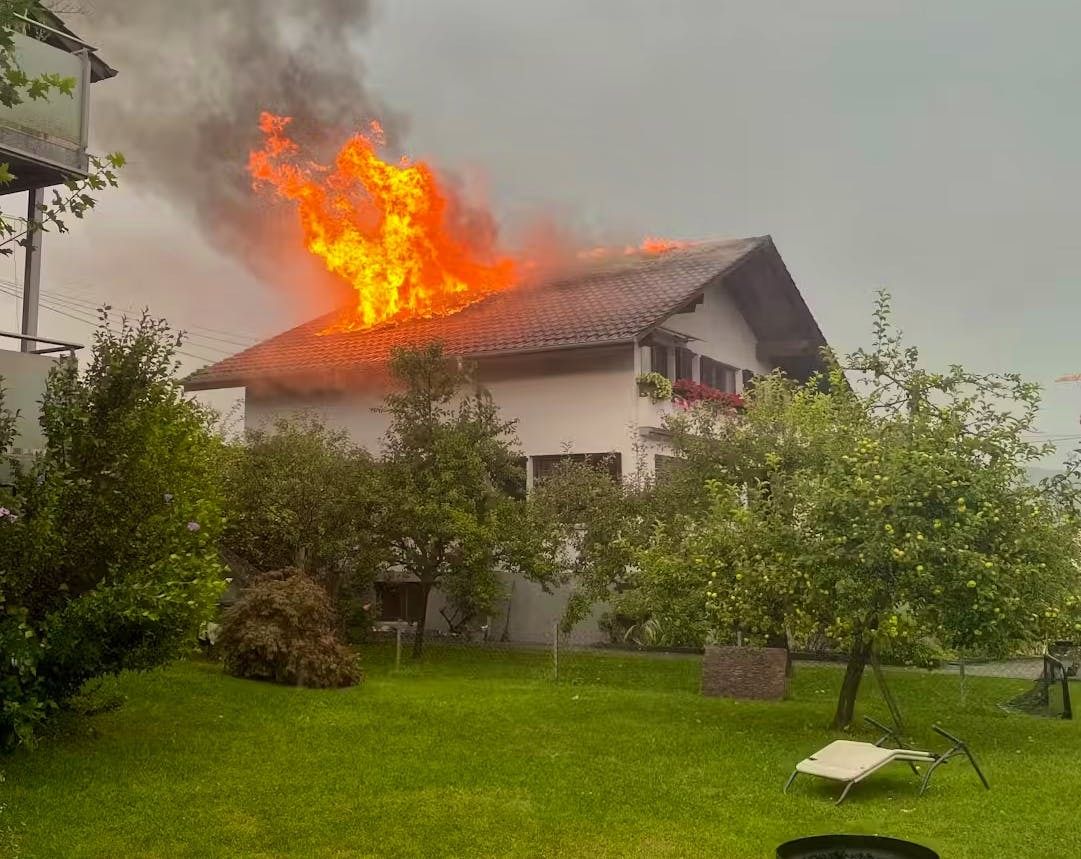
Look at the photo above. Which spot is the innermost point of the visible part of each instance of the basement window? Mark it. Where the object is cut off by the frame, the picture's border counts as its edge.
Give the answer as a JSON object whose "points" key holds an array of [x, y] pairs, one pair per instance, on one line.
{"points": [[399, 600]]}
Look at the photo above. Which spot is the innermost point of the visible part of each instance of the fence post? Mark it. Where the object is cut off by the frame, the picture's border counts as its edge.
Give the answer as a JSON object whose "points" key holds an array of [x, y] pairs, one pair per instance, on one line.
{"points": [[555, 649], [398, 649], [961, 663]]}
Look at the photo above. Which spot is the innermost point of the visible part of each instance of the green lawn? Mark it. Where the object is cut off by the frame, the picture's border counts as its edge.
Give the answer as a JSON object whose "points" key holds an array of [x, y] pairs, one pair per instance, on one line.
{"points": [[483, 755]]}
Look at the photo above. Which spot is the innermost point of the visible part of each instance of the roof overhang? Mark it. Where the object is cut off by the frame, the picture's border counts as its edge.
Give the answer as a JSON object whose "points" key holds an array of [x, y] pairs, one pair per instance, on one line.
{"points": [[49, 28], [346, 378]]}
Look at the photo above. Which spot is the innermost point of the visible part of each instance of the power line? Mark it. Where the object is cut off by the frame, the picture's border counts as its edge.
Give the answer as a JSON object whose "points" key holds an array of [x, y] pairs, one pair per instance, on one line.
{"points": [[96, 322], [230, 337], [192, 331], [84, 315]]}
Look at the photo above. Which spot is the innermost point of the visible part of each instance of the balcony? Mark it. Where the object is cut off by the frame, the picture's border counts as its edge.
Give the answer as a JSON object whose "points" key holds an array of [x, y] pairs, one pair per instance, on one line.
{"points": [[652, 413], [22, 378], [43, 141]]}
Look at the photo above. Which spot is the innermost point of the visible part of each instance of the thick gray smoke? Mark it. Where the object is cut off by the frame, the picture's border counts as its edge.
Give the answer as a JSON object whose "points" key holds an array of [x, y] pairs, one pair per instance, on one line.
{"points": [[194, 76]]}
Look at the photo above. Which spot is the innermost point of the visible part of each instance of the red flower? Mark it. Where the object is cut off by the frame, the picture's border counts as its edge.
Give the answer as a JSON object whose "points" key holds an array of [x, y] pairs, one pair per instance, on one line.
{"points": [[692, 392]]}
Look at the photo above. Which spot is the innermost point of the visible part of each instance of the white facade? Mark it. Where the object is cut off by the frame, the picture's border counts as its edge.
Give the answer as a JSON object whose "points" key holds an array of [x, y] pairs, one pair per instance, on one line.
{"points": [[720, 332], [576, 401]]}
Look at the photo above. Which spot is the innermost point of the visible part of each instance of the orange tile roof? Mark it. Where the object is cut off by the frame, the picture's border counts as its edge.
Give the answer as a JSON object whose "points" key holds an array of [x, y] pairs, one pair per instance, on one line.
{"points": [[611, 302]]}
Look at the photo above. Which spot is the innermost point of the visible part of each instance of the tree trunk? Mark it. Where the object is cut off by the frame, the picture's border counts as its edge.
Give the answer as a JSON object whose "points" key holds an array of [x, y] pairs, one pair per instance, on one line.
{"points": [[510, 602], [781, 641], [846, 701], [418, 639]]}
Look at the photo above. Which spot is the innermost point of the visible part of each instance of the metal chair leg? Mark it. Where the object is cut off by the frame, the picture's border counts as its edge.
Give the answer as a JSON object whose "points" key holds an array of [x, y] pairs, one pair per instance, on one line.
{"points": [[844, 793], [927, 776], [791, 779], [976, 766]]}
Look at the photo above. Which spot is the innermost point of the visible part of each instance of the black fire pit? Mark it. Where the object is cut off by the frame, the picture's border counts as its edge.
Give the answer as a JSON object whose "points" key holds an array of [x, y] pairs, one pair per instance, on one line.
{"points": [[853, 847]]}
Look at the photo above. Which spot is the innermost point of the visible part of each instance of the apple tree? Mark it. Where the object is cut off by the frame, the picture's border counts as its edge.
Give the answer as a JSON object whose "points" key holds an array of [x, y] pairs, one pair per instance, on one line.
{"points": [[886, 505]]}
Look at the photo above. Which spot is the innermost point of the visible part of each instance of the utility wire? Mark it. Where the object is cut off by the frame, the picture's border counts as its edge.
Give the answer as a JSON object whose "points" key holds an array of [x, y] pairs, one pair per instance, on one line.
{"points": [[87, 315], [96, 322], [84, 306], [227, 337]]}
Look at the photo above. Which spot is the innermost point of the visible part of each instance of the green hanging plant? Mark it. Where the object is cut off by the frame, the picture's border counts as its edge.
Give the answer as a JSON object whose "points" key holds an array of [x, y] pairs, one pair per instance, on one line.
{"points": [[655, 386]]}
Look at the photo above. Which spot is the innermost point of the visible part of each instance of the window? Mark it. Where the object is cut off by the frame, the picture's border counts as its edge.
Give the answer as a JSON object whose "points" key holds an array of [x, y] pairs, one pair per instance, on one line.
{"points": [[684, 364], [663, 465], [612, 463], [658, 361], [718, 375], [399, 600]]}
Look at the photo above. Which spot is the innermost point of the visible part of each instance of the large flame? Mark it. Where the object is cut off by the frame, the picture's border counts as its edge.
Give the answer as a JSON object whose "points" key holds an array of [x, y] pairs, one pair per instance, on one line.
{"points": [[384, 228]]}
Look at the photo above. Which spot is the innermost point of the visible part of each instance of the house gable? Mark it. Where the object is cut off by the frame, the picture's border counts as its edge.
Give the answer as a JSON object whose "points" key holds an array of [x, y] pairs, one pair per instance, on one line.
{"points": [[749, 320]]}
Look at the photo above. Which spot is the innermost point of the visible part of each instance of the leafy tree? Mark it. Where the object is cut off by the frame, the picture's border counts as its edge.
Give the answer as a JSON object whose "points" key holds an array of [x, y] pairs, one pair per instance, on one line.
{"points": [[450, 485], [602, 525], [300, 494], [591, 521], [7, 422], [15, 88], [884, 505], [108, 548]]}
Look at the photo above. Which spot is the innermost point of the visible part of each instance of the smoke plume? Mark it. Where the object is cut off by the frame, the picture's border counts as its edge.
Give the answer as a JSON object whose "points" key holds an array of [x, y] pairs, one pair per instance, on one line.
{"points": [[193, 78]]}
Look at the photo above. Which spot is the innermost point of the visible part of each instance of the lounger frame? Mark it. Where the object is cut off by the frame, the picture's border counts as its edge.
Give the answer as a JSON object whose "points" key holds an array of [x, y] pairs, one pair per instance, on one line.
{"points": [[900, 753]]}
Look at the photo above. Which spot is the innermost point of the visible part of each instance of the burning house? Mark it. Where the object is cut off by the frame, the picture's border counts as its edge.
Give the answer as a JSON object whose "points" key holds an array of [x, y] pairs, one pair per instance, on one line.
{"points": [[561, 354]]}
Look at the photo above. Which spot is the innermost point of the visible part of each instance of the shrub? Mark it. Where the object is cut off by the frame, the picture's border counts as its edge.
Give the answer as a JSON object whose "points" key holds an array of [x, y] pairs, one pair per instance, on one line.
{"points": [[299, 495], [108, 542], [283, 629]]}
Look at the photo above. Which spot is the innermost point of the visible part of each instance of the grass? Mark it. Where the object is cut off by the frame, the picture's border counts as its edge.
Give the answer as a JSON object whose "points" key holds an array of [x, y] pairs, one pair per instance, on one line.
{"points": [[476, 754]]}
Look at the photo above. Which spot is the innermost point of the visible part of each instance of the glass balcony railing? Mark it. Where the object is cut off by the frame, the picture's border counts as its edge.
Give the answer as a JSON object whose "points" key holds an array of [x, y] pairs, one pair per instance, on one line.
{"points": [[44, 140]]}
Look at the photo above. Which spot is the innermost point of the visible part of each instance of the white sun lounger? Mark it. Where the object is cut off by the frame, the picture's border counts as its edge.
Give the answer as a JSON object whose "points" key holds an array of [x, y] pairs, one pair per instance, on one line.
{"points": [[851, 762]]}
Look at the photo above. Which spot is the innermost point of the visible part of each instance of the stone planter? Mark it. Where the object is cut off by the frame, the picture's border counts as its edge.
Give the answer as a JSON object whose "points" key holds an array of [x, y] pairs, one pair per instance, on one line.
{"points": [[756, 673]]}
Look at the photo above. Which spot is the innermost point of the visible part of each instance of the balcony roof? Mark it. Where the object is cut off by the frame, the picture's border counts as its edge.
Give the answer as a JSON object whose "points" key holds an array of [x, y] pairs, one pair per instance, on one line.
{"points": [[59, 35]]}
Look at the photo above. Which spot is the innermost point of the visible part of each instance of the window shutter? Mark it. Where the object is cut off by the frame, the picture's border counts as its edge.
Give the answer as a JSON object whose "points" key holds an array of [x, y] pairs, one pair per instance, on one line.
{"points": [[684, 364], [612, 463], [658, 360]]}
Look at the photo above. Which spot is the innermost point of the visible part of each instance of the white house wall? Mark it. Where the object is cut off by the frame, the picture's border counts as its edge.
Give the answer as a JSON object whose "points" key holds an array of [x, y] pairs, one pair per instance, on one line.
{"points": [[581, 401], [721, 332]]}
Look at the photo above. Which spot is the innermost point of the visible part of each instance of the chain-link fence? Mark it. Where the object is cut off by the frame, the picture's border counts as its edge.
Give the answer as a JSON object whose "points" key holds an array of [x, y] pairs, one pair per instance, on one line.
{"points": [[1029, 684], [559, 658], [1025, 684]]}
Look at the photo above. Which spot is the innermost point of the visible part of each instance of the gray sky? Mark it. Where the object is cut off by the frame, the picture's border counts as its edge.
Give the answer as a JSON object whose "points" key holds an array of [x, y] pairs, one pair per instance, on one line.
{"points": [[928, 148]]}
